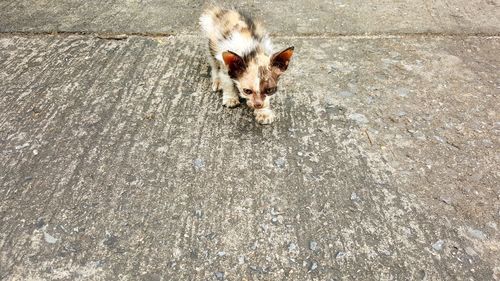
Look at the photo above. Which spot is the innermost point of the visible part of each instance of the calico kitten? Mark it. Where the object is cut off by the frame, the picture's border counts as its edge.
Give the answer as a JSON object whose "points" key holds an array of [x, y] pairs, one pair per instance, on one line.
{"points": [[242, 60]]}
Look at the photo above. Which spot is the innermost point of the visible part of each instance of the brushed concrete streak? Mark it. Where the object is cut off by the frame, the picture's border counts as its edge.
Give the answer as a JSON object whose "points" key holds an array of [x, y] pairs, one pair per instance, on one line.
{"points": [[117, 162]]}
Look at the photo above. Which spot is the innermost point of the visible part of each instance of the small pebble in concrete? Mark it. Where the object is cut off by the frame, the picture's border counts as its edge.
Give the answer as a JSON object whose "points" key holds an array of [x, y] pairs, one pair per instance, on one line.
{"points": [[385, 252], [219, 275], [313, 245], [35, 152], [438, 246], [49, 238], [439, 139], [312, 267], [99, 263], [340, 255], [407, 231], [19, 147], [280, 162], [492, 225], [198, 164], [264, 227], [241, 259], [292, 247], [422, 274], [275, 212], [403, 92], [355, 197], [358, 118], [335, 110], [110, 240], [476, 233], [254, 246], [40, 222], [258, 269], [488, 143], [445, 199], [198, 214], [221, 253]]}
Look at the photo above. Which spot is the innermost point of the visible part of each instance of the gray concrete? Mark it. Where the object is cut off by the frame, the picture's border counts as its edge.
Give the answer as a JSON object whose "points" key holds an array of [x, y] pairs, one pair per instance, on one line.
{"points": [[283, 17], [117, 163]]}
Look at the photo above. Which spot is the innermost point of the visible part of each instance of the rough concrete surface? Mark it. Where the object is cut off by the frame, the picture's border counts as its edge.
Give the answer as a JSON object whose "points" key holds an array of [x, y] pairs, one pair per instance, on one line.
{"points": [[117, 163], [283, 17]]}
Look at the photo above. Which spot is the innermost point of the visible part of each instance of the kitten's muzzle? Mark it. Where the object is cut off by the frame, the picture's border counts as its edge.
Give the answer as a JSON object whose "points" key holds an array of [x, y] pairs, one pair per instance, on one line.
{"points": [[258, 104], [257, 101]]}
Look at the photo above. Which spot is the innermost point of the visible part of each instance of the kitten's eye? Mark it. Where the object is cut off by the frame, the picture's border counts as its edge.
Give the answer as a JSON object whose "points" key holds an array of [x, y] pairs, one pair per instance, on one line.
{"points": [[271, 91], [247, 91]]}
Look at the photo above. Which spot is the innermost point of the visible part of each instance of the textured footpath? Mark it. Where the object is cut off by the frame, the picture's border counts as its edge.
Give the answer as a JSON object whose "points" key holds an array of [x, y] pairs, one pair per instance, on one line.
{"points": [[116, 162]]}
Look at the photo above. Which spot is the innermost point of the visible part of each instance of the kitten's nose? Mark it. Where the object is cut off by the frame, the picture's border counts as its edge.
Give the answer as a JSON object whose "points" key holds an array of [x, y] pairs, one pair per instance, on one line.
{"points": [[258, 104]]}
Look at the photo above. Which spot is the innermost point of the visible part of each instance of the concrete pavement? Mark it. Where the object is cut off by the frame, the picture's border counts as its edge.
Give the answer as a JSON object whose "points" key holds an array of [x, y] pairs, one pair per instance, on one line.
{"points": [[118, 163], [282, 17]]}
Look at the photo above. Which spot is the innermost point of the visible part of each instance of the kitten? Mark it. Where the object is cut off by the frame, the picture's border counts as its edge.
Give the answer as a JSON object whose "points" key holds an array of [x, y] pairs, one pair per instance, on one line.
{"points": [[242, 61]]}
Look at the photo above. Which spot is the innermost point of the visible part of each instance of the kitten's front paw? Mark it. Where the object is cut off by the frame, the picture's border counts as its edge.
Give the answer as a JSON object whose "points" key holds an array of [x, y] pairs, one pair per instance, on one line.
{"points": [[216, 85], [230, 101], [264, 116]]}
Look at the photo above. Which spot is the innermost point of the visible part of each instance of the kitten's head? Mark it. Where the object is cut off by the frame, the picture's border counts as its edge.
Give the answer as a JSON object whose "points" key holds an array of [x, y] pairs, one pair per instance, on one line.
{"points": [[256, 74]]}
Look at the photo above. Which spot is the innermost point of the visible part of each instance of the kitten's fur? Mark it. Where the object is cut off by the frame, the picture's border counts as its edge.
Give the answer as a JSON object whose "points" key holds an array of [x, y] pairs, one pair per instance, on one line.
{"points": [[242, 60]]}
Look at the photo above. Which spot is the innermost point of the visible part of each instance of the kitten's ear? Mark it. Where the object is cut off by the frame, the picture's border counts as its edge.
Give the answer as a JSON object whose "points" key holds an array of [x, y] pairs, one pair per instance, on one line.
{"points": [[234, 63], [281, 59]]}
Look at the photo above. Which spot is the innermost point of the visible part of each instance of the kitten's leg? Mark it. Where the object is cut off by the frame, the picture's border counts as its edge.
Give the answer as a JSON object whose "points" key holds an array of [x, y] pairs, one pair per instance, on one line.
{"points": [[214, 66], [265, 115], [230, 97]]}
